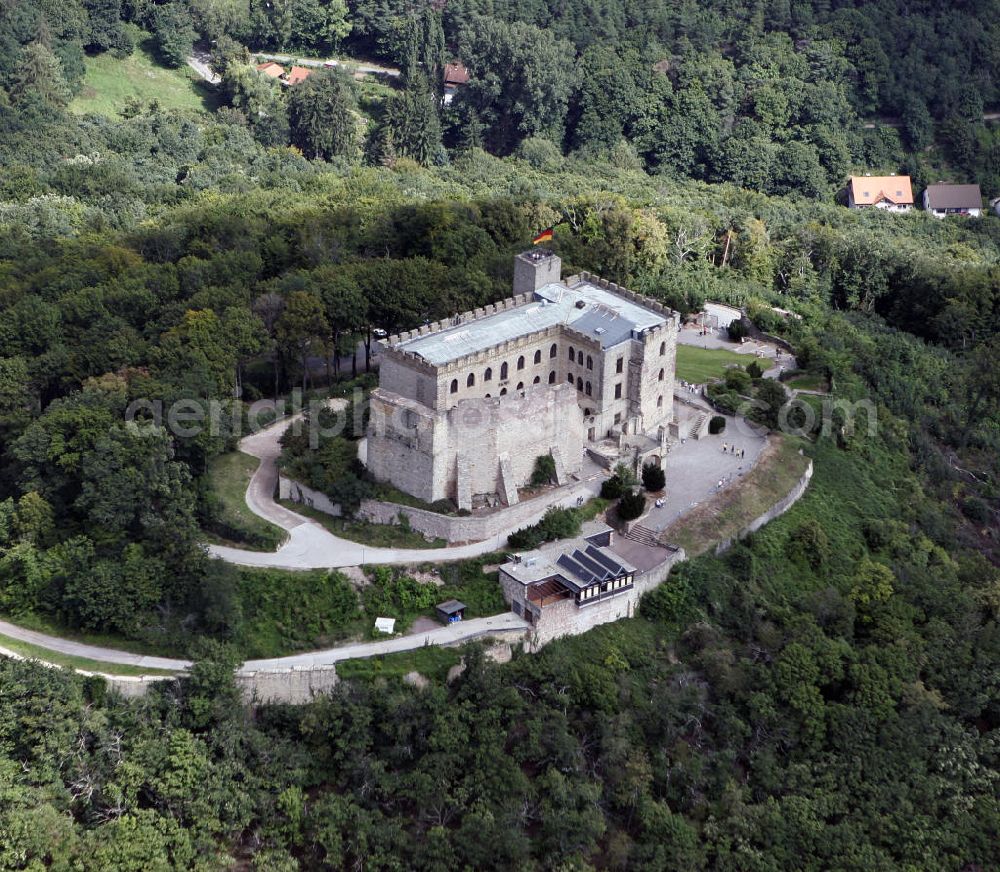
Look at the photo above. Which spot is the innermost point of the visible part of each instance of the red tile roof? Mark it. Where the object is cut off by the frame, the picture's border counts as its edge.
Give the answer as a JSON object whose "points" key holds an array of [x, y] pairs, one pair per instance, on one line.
{"points": [[270, 68], [455, 74], [297, 74]]}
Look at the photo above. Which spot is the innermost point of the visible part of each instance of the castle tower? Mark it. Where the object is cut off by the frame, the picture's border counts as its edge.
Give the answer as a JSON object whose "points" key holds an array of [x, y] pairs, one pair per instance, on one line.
{"points": [[534, 269]]}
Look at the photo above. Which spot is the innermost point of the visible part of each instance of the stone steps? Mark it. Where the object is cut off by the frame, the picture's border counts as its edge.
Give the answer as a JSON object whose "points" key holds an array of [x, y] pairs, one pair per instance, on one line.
{"points": [[699, 427], [644, 536]]}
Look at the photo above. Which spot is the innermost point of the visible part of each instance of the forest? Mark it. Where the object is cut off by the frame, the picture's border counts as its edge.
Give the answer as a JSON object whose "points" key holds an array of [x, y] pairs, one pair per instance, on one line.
{"points": [[824, 696]]}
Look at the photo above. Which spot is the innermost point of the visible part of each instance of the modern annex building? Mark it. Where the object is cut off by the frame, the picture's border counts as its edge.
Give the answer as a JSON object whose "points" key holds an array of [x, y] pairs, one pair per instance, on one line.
{"points": [[465, 406]]}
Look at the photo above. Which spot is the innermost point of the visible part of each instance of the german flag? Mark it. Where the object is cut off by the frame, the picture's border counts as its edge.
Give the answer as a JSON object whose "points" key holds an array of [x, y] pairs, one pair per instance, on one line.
{"points": [[544, 236]]}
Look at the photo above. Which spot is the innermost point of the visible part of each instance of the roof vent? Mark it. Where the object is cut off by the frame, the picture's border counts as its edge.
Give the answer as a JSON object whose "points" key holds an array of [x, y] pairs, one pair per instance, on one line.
{"points": [[600, 331], [581, 304]]}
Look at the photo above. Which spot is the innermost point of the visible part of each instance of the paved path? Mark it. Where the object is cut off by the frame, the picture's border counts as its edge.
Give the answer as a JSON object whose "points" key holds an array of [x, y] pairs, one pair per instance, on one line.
{"points": [[449, 634], [91, 652], [310, 545], [348, 64], [200, 62]]}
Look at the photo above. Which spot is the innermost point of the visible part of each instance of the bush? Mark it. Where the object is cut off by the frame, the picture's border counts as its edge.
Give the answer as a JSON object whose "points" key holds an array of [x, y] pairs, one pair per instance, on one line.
{"points": [[716, 425], [620, 481], [545, 470], [653, 477], [557, 524], [754, 369], [737, 330], [737, 380], [631, 505]]}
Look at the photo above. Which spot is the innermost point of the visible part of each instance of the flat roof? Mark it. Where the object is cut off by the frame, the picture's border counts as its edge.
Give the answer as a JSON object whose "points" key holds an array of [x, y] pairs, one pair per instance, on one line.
{"points": [[584, 306]]}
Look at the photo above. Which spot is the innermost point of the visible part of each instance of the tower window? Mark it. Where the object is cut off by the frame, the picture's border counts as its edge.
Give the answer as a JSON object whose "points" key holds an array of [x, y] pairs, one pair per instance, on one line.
{"points": [[553, 350], [552, 377], [659, 402], [618, 391], [579, 384], [663, 348], [538, 357], [470, 381], [537, 379], [488, 375], [503, 371], [572, 354], [520, 362], [661, 375], [590, 362], [619, 364], [587, 389], [454, 385]]}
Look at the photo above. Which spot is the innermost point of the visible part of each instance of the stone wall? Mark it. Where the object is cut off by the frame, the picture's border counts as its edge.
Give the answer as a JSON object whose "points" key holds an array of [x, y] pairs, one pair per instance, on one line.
{"points": [[294, 686], [778, 509], [473, 528], [289, 489], [426, 453]]}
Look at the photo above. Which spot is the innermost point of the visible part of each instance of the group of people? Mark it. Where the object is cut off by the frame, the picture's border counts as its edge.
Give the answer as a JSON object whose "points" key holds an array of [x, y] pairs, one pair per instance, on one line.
{"points": [[689, 387], [732, 449]]}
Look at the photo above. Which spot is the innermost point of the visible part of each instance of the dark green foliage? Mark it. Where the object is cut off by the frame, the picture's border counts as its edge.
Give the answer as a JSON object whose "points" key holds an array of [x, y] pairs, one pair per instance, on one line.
{"points": [[321, 116], [653, 477], [631, 505], [716, 424], [557, 524], [754, 369], [544, 471], [737, 330], [174, 33]]}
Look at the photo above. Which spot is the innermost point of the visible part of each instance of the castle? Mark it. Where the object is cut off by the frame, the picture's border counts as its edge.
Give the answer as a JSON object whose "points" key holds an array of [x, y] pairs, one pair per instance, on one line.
{"points": [[465, 406]]}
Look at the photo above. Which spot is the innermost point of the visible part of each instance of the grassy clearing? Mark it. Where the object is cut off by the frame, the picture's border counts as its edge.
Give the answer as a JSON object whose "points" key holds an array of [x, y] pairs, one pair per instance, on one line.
{"points": [[375, 535], [700, 365], [431, 661], [36, 652], [286, 611], [228, 478], [809, 381], [775, 474], [109, 82]]}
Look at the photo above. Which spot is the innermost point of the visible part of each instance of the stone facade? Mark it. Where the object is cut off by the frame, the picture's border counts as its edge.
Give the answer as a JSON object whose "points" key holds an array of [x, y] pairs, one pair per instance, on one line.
{"points": [[465, 406]]}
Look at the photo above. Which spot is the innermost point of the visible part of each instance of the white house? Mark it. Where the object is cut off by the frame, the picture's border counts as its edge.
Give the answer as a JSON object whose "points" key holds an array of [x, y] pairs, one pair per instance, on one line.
{"points": [[943, 200], [891, 193]]}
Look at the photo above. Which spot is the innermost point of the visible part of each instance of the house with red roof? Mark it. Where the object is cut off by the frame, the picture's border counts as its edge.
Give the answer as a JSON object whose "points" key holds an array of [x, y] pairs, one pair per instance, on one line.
{"points": [[271, 69]]}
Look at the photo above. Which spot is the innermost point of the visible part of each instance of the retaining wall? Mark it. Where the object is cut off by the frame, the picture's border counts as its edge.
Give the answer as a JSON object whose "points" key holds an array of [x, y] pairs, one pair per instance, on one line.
{"points": [[289, 489], [472, 528], [778, 509], [294, 686]]}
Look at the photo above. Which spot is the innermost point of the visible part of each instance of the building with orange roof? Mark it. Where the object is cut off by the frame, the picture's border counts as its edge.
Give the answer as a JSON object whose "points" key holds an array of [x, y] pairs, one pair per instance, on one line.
{"points": [[297, 74], [271, 69], [891, 193]]}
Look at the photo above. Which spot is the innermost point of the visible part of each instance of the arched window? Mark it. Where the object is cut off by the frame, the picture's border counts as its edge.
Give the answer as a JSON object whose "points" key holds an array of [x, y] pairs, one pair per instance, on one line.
{"points": [[488, 375], [569, 377], [503, 371], [552, 377], [661, 375], [587, 389], [538, 357], [590, 362], [579, 383], [659, 402], [572, 354], [487, 396], [537, 379], [553, 350], [663, 348], [520, 362], [454, 385], [520, 386], [470, 381], [503, 392]]}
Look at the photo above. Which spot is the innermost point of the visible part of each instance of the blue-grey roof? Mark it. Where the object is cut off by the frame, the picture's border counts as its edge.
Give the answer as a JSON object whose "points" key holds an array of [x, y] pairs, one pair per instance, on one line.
{"points": [[586, 307]]}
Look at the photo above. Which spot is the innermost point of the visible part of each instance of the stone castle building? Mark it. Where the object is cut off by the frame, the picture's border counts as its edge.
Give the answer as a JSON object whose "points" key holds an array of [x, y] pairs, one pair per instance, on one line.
{"points": [[464, 407]]}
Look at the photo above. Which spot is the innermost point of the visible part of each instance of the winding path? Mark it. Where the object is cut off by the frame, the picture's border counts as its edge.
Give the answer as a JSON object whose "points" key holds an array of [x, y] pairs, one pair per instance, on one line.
{"points": [[310, 545]]}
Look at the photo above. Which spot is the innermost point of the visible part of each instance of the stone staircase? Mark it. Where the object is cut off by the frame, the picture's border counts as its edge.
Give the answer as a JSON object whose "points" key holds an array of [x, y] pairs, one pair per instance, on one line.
{"points": [[699, 426], [644, 536]]}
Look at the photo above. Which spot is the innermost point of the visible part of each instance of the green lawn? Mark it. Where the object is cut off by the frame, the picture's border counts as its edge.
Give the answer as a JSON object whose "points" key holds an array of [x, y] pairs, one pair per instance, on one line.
{"points": [[232, 521], [35, 652], [109, 82], [700, 365]]}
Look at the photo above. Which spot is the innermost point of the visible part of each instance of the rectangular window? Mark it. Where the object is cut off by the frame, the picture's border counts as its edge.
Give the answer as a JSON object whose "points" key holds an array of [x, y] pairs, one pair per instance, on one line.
{"points": [[618, 391], [619, 364], [618, 418]]}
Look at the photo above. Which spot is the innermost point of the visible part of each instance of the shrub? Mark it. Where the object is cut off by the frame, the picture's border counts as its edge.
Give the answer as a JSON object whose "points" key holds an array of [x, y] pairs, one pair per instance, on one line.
{"points": [[653, 477], [716, 425], [620, 481], [754, 369], [545, 470], [557, 524], [737, 380], [631, 505], [737, 330]]}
